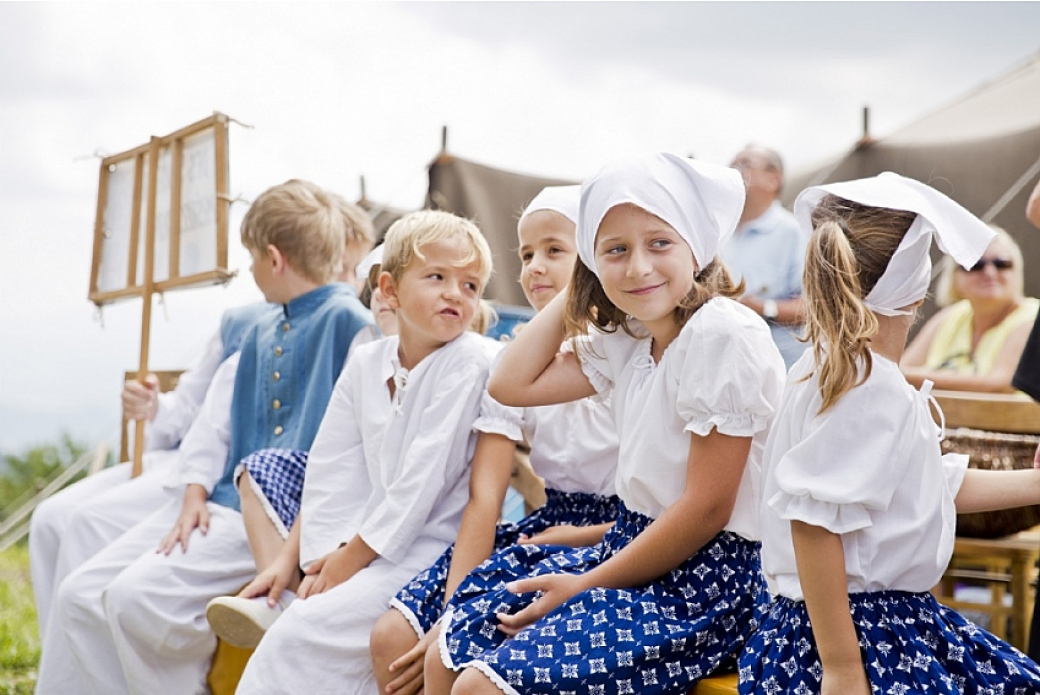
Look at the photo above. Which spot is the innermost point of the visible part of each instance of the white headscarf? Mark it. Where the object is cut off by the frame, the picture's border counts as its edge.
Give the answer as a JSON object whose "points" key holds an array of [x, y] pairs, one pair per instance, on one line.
{"points": [[701, 201], [374, 258], [905, 281], [560, 199]]}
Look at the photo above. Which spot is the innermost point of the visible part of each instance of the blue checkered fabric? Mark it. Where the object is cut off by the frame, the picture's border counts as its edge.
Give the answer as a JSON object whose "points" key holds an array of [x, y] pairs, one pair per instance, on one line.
{"points": [[279, 474]]}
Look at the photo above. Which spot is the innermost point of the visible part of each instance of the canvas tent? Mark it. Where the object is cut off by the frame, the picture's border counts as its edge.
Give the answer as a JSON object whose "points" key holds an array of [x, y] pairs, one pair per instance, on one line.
{"points": [[382, 215], [983, 150], [494, 199]]}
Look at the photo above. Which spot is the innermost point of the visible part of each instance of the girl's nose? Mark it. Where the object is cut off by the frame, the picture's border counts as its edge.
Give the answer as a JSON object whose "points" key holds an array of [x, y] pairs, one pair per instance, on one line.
{"points": [[638, 263]]}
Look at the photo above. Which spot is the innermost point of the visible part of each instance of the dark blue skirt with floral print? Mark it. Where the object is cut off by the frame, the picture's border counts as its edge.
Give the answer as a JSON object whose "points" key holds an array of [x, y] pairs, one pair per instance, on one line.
{"points": [[422, 600], [910, 643], [661, 637]]}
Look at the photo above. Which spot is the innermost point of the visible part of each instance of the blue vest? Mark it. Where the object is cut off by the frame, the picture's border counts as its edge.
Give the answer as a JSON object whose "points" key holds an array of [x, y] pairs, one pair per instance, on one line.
{"points": [[290, 362], [236, 322]]}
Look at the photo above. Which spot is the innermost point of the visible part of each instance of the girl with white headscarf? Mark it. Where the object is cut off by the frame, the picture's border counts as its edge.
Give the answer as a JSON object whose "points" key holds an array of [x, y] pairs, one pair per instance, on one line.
{"points": [[573, 449], [675, 587], [859, 505]]}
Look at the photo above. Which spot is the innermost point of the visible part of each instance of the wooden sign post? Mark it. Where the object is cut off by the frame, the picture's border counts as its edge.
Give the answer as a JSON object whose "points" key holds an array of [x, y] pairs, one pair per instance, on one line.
{"points": [[177, 185]]}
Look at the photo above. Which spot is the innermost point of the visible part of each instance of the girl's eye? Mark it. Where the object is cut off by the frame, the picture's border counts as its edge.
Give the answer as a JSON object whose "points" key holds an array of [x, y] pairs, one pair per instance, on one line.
{"points": [[615, 250], [555, 250], [526, 257], [472, 286], [660, 243], [435, 276]]}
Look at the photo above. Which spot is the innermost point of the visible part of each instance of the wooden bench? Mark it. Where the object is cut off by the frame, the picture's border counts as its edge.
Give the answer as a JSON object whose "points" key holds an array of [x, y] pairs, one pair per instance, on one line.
{"points": [[716, 685], [1005, 566]]}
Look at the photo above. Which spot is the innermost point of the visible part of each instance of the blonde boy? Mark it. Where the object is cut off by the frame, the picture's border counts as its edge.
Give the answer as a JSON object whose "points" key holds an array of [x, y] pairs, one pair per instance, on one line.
{"points": [[134, 616], [388, 473]]}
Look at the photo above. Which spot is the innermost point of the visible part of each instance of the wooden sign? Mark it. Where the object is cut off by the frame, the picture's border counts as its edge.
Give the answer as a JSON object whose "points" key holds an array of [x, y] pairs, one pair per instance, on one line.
{"points": [[162, 224], [190, 235]]}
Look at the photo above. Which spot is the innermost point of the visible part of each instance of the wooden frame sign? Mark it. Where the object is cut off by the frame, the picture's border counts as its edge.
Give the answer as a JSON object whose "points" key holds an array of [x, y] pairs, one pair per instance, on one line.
{"points": [[190, 236], [162, 223]]}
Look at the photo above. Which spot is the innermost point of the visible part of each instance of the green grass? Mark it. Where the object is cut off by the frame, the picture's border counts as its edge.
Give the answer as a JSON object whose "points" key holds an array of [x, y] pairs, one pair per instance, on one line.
{"points": [[19, 637]]}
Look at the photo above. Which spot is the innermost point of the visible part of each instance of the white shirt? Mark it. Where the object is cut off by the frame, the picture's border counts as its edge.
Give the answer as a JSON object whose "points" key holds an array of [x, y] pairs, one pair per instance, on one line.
{"points": [[870, 469], [722, 372], [204, 449], [177, 408], [574, 446], [394, 471]]}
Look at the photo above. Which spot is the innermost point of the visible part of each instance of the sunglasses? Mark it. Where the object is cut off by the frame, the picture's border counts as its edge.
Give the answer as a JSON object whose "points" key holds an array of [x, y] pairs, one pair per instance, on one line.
{"points": [[997, 263]]}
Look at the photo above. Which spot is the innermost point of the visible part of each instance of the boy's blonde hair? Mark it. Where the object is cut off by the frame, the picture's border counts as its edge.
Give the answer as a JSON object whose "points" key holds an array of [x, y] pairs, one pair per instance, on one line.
{"points": [[304, 222], [407, 236], [945, 291], [850, 248], [359, 228]]}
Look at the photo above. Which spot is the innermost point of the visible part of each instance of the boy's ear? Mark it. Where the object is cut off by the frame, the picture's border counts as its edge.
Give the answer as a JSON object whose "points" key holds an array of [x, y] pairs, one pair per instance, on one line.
{"points": [[389, 290], [276, 259]]}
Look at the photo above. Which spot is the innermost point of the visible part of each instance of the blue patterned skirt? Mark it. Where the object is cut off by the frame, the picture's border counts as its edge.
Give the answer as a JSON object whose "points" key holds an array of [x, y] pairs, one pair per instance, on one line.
{"points": [[910, 644], [422, 600], [277, 480], [661, 637]]}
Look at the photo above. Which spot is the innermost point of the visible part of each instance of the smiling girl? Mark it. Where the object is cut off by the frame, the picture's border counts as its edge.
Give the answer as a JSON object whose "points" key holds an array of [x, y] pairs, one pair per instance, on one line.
{"points": [[674, 588]]}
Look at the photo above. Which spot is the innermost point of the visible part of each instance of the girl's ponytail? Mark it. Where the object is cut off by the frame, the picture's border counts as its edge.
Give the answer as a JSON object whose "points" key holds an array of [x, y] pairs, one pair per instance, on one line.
{"points": [[850, 248]]}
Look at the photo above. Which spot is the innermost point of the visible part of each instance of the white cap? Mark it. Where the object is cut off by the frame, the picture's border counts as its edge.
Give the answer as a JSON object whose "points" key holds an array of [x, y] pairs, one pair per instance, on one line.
{"points": [[905, 281]]}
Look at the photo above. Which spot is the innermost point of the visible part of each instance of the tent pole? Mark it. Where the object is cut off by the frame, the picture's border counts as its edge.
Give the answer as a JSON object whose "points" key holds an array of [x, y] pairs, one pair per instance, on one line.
{"points": [[1010, 193]]}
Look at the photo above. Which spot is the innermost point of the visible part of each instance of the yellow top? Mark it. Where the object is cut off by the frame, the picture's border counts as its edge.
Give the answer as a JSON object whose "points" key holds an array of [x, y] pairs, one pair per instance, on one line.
{"points": [[951, 346]]}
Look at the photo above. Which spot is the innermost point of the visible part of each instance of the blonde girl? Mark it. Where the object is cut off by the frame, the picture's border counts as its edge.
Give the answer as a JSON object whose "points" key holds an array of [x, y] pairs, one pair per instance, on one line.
{"points": [[859, 505], [673, 589]]}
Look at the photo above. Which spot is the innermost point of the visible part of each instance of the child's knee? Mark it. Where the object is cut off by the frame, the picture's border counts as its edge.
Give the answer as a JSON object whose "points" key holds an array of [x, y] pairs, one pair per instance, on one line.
{"points": [[473, 682], [391, 637]]}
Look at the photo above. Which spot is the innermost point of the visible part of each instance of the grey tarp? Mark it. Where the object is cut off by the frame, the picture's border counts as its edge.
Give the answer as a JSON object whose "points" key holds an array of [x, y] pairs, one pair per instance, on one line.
{"points": [[382, 216], [494, 199], [978, 150]]}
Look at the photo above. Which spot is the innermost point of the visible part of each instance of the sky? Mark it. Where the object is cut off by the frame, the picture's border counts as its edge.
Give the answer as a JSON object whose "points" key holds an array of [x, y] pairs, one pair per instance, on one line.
{"points": [[332, 92]]}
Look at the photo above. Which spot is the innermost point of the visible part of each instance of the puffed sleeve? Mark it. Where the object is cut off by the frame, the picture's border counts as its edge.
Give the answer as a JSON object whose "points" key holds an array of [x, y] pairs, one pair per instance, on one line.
{"points": [[954, 467], [839, 474], [731, 375], [393, 525], [496, 418], [595, 363], [337, 481]]}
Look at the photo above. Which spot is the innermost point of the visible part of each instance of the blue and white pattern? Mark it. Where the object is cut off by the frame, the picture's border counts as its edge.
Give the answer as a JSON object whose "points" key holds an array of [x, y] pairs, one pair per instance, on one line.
{"points": [[422, 600], [277, 475], [661, 637], [910, 644]]}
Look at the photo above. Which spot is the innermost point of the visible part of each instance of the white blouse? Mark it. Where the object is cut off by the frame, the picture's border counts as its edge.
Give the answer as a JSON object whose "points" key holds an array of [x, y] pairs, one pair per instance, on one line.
{"points": [[574, 446], [394, 470], [870, 469], [722, 372]]}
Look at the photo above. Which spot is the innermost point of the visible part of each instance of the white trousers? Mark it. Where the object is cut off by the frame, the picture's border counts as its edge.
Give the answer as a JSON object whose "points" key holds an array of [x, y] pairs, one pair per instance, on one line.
{"points": [[72, 525], [133, 620], [320, 644]]}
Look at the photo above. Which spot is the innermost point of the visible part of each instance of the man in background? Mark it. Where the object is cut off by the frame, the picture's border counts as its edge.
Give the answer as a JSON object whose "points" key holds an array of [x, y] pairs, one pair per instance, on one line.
{"points": [[768, 250]]}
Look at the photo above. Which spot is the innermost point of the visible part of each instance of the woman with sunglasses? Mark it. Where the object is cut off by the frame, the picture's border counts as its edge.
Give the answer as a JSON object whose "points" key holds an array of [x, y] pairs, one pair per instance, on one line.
{"points": [[975, 341]]}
